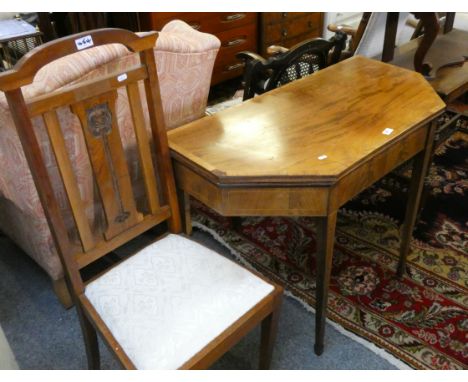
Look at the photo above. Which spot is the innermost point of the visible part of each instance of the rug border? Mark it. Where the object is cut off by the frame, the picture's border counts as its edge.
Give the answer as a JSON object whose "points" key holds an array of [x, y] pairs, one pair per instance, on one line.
{"points": [[390, 358]]}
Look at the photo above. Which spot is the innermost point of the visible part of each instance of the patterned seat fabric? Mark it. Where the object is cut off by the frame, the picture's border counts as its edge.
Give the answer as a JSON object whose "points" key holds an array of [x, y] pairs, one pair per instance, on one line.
{"points": [[185, 59], [168, 301]]}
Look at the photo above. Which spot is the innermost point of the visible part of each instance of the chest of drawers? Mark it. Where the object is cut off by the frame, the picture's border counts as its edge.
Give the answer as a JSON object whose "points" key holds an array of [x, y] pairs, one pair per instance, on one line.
{"points": [[240, 31], [236, 30], [288, 28]]}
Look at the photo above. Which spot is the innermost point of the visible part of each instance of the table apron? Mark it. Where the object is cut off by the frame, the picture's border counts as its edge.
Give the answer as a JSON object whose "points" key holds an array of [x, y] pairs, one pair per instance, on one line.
{"points": [[378, 166], [255, 200], [261, 200]]}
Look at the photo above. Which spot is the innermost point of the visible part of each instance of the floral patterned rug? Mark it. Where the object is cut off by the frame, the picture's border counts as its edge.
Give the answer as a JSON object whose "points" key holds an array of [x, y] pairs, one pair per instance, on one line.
{"points": [[421, 319]]}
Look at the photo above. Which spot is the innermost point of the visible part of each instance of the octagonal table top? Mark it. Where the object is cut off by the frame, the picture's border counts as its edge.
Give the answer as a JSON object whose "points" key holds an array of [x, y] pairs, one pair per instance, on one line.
{"points": [[315, 129]]}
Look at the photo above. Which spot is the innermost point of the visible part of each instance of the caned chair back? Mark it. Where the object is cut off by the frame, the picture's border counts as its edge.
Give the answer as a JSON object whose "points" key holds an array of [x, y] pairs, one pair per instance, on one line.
{"points": [[93, 102], [301, 60]]}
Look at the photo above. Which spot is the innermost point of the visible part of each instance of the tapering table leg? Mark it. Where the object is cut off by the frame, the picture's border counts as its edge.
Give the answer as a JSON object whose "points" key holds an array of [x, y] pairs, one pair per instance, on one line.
{"points": [[325, 238], [421, 164]]}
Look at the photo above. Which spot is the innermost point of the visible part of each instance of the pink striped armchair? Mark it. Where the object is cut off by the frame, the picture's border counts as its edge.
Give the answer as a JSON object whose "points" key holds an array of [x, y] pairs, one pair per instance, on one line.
{"points": [[184, 58]]}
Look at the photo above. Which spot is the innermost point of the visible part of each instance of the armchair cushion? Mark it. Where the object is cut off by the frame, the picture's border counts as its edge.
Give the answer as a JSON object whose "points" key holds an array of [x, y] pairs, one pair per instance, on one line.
{"points": [[168, 301]]}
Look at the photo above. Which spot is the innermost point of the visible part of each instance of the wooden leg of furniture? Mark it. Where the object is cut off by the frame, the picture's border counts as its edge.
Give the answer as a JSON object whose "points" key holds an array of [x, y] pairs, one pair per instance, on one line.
{"points": [[444, 133], [449, 20], [184, 207], [63, 294], [390, 36], [421, 165], [431, 29], [269, 330], [90, 340], [325, 238], [236, 222]]}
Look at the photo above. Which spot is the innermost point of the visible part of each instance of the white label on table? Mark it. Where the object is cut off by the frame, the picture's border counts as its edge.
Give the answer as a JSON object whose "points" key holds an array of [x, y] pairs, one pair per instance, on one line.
{"points": [[387, 131], [84, 42], [322, 157], [122, 77]]}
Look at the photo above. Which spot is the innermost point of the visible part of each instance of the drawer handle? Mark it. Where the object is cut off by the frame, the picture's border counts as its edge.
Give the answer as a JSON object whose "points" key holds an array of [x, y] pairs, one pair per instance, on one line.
{"points": [[195, 26], [235, 42], [233, 67], [284, 14], [234, 17], [284, 32]]}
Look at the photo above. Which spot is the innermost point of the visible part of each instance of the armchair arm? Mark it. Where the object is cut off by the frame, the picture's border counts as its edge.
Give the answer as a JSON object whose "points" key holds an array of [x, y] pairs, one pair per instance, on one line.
{"points": [[273, 50], [349, 30], [249, 56], [185, 58]]}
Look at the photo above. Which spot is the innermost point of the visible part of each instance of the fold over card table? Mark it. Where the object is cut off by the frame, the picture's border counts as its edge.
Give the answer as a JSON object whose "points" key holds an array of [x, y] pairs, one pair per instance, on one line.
{"points": [[307, 148]]}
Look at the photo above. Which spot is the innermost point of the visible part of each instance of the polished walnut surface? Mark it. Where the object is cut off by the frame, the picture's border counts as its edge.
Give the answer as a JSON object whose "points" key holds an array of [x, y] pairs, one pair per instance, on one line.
{"points": [[270, 137]]}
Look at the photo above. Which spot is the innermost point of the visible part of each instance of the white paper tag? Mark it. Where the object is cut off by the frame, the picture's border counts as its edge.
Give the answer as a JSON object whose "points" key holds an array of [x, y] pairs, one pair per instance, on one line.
{"points": [[84, 42], [122, 77], [387, 131], [322, 157]]}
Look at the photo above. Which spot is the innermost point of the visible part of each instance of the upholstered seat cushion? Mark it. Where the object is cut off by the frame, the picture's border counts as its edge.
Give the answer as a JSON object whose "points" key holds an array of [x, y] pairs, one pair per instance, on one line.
{"points": [[168, 301]]}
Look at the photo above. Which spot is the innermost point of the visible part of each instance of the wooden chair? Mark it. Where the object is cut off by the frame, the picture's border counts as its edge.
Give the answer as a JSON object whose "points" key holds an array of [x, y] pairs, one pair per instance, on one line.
{"points": [[286, 65], [174, 304], [379, 35], [369, 38], [186, 58]]}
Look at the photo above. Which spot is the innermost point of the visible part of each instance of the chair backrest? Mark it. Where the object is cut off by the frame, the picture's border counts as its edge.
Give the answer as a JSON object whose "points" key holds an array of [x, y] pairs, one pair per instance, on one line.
{"points": [[93, 102], [370, 36], [300, 61]]}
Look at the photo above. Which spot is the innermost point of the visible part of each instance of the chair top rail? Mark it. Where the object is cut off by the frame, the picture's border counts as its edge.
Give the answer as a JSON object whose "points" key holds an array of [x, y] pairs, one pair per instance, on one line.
{"points": [[26, 68]]}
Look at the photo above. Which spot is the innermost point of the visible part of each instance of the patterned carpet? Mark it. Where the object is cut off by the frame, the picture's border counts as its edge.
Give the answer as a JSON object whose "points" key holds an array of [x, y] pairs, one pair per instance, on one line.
{"points": [[422, 319]]}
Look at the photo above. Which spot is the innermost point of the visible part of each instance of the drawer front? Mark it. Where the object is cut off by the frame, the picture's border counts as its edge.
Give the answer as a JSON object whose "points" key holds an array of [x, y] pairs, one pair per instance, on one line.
{"points": [[227, 72], [269, 18], [230, 20], [309, 24], [209, 22], [232, 42]]}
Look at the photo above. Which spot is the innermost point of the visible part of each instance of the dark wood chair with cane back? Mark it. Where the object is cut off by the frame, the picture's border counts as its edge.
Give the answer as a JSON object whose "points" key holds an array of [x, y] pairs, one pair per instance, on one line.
{"points": [[174, 304], [287, 65]]}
